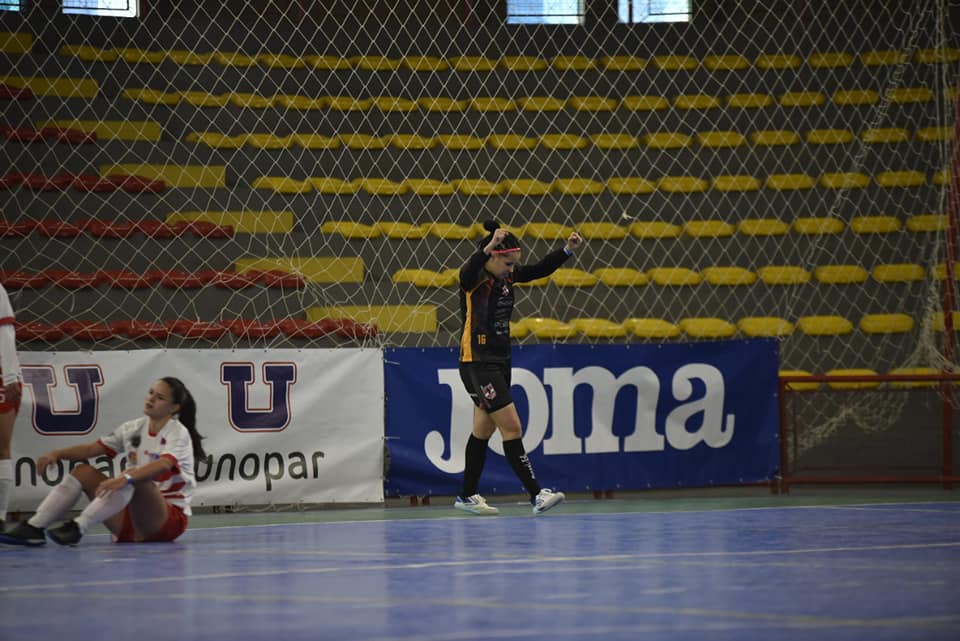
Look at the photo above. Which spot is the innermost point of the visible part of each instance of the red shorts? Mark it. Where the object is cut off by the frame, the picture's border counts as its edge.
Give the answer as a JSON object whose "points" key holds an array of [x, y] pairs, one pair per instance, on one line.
{"points": [[9, 407], [173, 527]]}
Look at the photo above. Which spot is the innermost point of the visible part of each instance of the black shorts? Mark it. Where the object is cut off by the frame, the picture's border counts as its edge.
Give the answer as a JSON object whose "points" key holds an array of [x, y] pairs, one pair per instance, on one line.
{"points": [[487, 383]]}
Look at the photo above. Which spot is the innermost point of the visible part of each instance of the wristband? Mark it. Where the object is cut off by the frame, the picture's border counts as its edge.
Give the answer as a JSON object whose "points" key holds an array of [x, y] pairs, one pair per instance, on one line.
{"points": [[129, 478], [567, 251]]}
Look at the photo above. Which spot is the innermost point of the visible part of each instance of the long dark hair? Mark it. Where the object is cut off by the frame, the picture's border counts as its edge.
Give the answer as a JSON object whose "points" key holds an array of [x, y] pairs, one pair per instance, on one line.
{"points": [[187, 414], [509, 242]]}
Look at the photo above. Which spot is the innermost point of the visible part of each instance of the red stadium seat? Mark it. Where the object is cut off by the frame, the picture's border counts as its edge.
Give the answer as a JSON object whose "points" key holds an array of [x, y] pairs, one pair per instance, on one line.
{"points": [[140, 329], [69, 136], [17, 229], [23, 280], [70, 279], [110, 229], [12, 179], [59, 229], [86, 330], [302, 328], [9, 92], [278, 279], [36, 331], [197, 329], [93, 183], [247, 328], [349, 328], [137, 184], [206, 229], [178, 279], [21, 134], [233, 280], [125, 279], [42, 182]]}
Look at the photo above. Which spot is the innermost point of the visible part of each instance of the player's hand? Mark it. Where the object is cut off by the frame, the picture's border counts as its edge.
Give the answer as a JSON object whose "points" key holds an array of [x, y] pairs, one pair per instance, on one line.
{"points": [[46, 460], [498, 236], [11, 393], [110, 486], [574, 242]]}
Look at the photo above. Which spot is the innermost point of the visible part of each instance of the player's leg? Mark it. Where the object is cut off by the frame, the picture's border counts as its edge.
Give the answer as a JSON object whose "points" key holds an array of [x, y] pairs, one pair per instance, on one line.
{"points": [[6, 463], [476, 380]]}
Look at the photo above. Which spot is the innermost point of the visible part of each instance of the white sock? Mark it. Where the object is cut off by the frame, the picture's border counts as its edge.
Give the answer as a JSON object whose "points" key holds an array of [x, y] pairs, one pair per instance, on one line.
{"points": [[6, 485], [101, 509], [60, 499]]}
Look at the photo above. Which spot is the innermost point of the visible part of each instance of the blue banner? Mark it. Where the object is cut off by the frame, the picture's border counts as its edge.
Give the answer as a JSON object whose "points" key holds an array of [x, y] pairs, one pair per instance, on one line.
{"points": [[595, 417]]}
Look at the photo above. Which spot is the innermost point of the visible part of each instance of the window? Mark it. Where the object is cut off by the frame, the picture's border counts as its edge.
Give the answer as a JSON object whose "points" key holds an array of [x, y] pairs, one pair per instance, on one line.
{"points": [[113, 8], [545, 11], [9, 5], [634, 11]]}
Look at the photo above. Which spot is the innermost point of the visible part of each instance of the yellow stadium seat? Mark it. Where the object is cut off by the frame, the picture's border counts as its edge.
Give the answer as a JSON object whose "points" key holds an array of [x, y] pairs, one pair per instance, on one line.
{"points": [[651, 328], [898, 273], [348, 103], [280, 61], [572, 277], [245, 222], [736, 183], [615, 141], [682, 184], [749, 101], [771, 326], [847, 385], [204, 99], [621, 276], [941, 178], [844, 180], [472, 63], [15, 42], [602, 231], [939, 321], [935, 134], [886, 323], [375, 63], [460, 142], [598, 327], [797, 386], [573, 63], [226, 58], [412, 141], [666, 140], [875, 224], [59, 87], [720, 138], [511, 142], [630, 185], [190, 58], [413, 319], [87, 53], [424, 63], [654, 229], [907, 95], [888, 135], [547, 231], [328, 185], [283, 185], [840, 274], [363, 141], [328, 63], [518, 330], [152, 96], [492, 104], [540, 103], [927, 223], [883, 58], [314, 269], [268, 141], [937, 56], [478, 187], [442, 104], [389, 104], [856, 97], [674, 276], [424, 278], [901, 179], [624, 63], [939, 271], [577, 186], [591, 103], [549, 328], [251, 100], [778, 61], [829, 136], [526, 187], [188, 176], [783, 275], [812, 226], [350, 229], [728, 62], [696, 101], [826, 325], [707, 327], [729, 276], [563, 141], [708, 229], [830, 59], [402, 231], [645, 103], [763, 227], [774, 137], [382, 186], [675, 63], [453, 231], [802, 99], [428, 187], [302, 103], [136, 56], [149, 130], [913, 371], [523, 63], [789, 182]]}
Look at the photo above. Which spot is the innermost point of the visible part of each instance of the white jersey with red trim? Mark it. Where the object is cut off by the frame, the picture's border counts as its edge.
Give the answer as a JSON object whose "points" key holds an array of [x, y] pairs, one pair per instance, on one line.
{"points": [[173, 442], [9, 362]]}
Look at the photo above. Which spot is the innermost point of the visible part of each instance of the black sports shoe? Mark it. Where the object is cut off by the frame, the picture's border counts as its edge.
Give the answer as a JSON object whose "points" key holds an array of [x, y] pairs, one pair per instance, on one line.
{"points": [[66, 534], [23, 534]]}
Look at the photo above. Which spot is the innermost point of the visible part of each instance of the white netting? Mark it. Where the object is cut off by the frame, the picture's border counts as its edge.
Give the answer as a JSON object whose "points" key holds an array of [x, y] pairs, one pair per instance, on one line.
{"points": [[758, 171]]}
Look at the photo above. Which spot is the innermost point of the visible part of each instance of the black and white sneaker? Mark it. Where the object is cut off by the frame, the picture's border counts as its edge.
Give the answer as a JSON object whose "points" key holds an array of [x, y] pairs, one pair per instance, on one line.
{"points": [[66, 534], [23, 534], [547, 499]]}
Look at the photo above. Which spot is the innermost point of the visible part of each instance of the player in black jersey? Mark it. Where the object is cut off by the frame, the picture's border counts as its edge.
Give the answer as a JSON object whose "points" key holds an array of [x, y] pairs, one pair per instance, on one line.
{"points": [[486, 303]]}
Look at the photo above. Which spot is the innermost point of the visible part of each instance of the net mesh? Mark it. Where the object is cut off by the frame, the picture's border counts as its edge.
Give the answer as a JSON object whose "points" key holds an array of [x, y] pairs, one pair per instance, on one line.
{"points": [[274, 173]]}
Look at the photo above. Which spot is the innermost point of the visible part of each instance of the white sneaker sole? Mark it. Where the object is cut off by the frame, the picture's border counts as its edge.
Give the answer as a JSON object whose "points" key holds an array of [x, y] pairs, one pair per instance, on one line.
{"points": [[555, 499], [479, 511]]}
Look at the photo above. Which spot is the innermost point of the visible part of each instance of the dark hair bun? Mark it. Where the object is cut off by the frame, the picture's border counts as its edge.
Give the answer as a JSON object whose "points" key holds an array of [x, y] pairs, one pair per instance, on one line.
{"points": [[491, 225]]}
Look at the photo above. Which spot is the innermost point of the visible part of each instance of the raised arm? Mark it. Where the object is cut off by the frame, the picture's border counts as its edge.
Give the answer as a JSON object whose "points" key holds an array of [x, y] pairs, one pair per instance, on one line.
{"points": [[549, 263]]}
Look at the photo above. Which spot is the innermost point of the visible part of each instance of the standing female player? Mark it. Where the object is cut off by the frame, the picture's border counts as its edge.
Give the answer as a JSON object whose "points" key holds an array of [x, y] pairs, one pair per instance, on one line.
{"points": [[147, 502], [9, 399], [486, 304]]}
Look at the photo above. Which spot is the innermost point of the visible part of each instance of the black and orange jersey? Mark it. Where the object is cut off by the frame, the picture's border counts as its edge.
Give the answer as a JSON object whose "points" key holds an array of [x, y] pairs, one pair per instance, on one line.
{"points": [[486, 304]]}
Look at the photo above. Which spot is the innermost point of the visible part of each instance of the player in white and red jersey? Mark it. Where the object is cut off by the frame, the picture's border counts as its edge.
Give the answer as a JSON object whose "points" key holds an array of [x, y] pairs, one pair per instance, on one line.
{"points": [[149, 501], [9, 399]]}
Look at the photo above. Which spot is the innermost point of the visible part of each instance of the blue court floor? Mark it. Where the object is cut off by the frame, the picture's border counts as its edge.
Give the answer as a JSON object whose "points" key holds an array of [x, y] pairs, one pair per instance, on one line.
{"points": [[884, 571]]}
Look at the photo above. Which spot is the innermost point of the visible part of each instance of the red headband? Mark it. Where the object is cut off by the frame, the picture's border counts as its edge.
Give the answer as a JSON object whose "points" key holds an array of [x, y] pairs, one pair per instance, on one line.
{"points": [[505, 251]]}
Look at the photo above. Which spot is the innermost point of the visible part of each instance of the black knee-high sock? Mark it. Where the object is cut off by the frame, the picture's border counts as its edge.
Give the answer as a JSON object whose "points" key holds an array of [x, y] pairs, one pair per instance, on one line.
{"points": [[517, 457], [476, 456]]}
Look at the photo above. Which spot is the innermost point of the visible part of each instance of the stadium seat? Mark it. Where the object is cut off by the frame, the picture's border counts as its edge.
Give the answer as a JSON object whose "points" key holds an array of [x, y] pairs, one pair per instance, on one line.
{"points": [[37, 331], [412, 141], [511, 142], [328, 63], [315, 269], [592, 103], [302, 103], [303, 328], [573, 63], [910, 95], [735, 183], [453, 231], [403, 231], [939, 271], [460, 142], [840, 274], [941, 178], [698, 102], [229, 279], [477, 187], [883, 58], [577, 186], [179, 279], [682, 184], [848, 385], [630, 185], [749, 101], [829, 137], [726, 62], [526, 187], [830, 59], [189, 58], [53, 228], [927, 223], [204, 99], [540, 103], [939, 321], [70, 279], [674, 276], [898, 273], [802, 99], [140, 329], [572, 277], [234, 59], [19, 279], [708, 229], [875, 224], [564, 142], [825, 325], [797, 386], [277, 279], [774, 138], [375, 63], [783, 275], [937, 56], [523, 63], [361, 142], [327, 185], [248, 222], [615, 141], [348, 103], [126, 279], [913, 371], [85, 330], [598, 327], [218, 140], [720, 139], [651, 328], [429, 64], [473, 63], [667, 140], [269, 141], [442, 104], [707, 327], [168, 175], [252, 329], [283, 185], [12, 92], [350, 229], [886, 323], [315, 141], [416, 319], [763, 227], [424, 277], [675, 63], [549, 328], [624, 63], [812, 226], [18, 229], [382, 187], [887, 135], [621, 276], [729, 276], [777, 61], [196, 329], [901, 178], [654, 229], [645, 103], [770, 326], [251, 100], [15, 43], [547, 231], [428, 187], [602, 231], [935, 134], [492, 104], [88, 53], [518, 330], [856, 97], [388, 104]]}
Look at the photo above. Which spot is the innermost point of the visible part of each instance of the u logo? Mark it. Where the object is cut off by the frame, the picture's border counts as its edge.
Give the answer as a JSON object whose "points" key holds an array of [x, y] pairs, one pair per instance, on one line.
{"points": [[238, 377], [47, 417]]}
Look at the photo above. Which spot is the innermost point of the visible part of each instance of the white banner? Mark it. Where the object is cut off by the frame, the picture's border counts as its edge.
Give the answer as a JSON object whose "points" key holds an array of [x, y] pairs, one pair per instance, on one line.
{"points": [[281, 426]]}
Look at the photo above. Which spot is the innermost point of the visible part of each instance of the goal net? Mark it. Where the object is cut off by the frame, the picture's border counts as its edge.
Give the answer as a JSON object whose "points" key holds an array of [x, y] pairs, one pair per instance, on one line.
{"points": [[314, 173]]}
